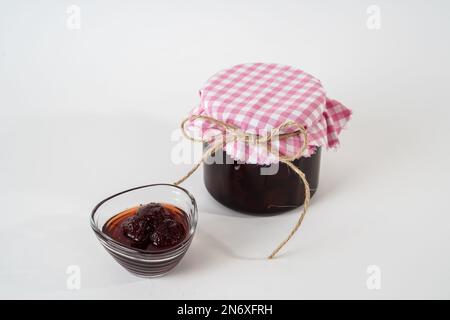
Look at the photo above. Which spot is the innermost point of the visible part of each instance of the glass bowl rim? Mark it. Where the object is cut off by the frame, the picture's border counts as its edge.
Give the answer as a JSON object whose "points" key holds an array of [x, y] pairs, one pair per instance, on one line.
{"points": [[192, 224]]}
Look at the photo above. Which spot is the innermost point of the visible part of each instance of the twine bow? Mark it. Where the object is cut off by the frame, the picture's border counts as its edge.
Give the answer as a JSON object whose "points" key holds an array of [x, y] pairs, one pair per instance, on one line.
{"points": [[233, 133]]}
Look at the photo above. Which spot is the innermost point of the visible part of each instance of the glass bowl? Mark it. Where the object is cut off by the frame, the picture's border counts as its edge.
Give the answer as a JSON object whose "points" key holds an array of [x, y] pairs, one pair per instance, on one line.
{"points": [[140, 262]]}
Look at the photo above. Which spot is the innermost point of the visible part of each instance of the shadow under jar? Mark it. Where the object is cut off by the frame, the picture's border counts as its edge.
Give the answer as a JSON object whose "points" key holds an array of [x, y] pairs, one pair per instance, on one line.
{"points": [[243, 188]]}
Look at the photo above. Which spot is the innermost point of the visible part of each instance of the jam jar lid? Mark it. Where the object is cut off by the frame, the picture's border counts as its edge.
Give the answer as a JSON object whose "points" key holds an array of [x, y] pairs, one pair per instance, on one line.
{"points": [[259, 97]]}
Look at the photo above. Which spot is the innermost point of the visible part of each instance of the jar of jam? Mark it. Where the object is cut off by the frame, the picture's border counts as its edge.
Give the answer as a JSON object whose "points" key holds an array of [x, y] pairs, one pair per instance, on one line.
{"points": [[271, 103]]}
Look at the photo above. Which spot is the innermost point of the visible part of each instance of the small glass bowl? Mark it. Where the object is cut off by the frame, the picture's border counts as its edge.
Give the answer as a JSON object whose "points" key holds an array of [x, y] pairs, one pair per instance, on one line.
{"points": [[140, 262]]}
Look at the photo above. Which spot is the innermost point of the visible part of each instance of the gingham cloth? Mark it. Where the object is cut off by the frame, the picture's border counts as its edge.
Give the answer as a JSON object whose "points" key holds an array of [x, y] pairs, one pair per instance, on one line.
{"points": [[258, 97]]}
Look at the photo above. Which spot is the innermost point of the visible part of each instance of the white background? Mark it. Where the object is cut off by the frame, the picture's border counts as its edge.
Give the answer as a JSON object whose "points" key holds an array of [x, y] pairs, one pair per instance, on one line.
{"points": [[89, 112]]}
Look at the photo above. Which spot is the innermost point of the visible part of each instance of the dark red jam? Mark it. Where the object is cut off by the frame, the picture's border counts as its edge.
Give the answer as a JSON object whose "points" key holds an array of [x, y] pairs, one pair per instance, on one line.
{"points": [[152, 227], [242, 187]]}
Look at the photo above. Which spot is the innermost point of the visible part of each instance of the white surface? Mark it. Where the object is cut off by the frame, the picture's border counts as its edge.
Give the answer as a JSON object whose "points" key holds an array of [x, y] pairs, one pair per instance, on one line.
{"points": [[85, 113]]}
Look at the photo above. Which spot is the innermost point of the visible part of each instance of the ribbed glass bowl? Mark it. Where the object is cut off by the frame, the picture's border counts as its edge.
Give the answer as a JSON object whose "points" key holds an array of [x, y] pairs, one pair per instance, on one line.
{"points": [[140, 262]]}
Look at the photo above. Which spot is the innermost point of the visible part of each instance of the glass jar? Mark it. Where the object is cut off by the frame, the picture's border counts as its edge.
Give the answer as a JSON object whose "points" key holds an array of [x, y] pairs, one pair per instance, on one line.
{"points": [[244, 187], [264, 102]]}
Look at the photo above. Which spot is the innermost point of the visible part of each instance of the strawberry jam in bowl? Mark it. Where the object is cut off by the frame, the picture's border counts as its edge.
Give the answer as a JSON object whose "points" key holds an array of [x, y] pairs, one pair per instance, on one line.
{"points": [[147, 229]]}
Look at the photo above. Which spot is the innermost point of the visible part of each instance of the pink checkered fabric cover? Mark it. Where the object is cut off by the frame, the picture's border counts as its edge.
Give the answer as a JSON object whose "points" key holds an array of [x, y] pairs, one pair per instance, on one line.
{"points": [[258, 97]]}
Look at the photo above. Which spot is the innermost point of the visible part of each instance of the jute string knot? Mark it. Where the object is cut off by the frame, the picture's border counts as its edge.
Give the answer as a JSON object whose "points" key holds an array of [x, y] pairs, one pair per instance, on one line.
{"points": [[233, 133]]}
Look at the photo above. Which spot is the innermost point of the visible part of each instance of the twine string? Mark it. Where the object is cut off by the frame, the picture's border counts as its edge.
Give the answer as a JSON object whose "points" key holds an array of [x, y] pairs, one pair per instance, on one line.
{"points": [[233, 133]]}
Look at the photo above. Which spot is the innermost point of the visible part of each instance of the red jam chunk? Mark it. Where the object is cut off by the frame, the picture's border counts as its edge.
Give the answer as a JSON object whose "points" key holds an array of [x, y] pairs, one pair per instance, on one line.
{"points": [[151, 227]]}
